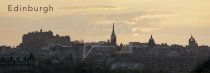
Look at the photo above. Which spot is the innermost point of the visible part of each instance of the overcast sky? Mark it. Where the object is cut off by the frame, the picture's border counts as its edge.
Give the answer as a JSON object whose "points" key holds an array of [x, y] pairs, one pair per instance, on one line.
{"points": [[170, 21]]}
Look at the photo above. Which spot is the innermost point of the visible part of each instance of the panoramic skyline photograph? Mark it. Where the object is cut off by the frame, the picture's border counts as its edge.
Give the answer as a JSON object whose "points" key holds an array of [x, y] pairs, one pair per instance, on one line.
{"points": [[104, 36], [169, 21]]}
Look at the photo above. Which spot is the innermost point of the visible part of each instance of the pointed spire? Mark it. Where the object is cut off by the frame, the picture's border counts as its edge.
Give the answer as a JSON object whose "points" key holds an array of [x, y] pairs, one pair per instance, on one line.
{"points": [[113, 27], [151, 36], [113, 31], [113, 36]]}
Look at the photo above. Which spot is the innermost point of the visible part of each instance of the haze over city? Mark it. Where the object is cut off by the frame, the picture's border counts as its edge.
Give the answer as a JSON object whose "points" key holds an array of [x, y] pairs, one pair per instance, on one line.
{"points": [[170, 21]]}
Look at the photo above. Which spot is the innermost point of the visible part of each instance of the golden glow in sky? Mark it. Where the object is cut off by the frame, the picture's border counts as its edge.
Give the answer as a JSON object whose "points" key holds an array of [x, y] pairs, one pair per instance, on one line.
{"points": [[170, 21]]}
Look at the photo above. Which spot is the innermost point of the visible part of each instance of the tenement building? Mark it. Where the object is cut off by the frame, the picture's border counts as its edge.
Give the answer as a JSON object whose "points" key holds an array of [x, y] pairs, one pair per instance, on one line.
{"points": [[12, 62]]}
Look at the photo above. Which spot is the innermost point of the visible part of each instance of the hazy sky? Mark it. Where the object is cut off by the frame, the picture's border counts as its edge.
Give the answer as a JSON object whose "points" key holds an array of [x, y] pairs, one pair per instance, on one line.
{"points": [[170, 21]]}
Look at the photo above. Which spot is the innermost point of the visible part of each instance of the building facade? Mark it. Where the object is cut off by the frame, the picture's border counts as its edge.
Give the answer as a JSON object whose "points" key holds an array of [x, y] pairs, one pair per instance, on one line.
{"points": [[16, 62]]}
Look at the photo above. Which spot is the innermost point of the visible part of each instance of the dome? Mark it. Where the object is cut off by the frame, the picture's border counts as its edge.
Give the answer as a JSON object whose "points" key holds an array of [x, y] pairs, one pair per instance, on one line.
{"points": [[191, 39], [192, 42], [151, 39], [151, 42]]}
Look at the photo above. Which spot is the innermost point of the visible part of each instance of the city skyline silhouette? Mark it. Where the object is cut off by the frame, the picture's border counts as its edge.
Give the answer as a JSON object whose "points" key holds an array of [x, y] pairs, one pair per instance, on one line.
{"points": [[170, 21], [104, 36], [113, 38]]}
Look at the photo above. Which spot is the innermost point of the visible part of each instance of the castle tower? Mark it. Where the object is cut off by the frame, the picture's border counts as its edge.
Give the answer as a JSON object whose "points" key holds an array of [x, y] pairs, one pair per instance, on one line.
{"points": [[151, 42], [113, 36]]}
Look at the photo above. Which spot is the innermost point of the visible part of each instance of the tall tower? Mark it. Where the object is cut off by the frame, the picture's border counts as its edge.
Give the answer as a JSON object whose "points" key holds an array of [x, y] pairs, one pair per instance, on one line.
{"points": [[192, 42], [151, 42], [113, 36]]}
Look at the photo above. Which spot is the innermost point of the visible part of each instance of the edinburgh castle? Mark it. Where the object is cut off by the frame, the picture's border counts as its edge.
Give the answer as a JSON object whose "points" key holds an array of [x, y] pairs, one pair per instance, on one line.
{"points": [[39, 39]]}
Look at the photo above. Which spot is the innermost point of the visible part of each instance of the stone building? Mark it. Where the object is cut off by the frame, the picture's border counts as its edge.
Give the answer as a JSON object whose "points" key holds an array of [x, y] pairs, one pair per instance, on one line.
{"points": [[16, 62], [39, 39]]}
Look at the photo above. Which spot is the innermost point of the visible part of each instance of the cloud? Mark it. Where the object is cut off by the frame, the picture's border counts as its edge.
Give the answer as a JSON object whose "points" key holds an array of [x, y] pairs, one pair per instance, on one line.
{"points": [[89, 27], [142, 21], [89, 7]]}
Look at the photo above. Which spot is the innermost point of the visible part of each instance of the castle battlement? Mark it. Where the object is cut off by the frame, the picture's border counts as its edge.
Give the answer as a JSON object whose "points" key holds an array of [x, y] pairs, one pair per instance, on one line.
{"points": [[39, 39]]}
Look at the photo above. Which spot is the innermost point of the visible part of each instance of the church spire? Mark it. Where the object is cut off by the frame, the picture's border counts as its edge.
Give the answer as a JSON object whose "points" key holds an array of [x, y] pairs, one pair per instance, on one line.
{"points": [[191, 36], [113, 32], [113, 28], [151, 37], [113, 36]]}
